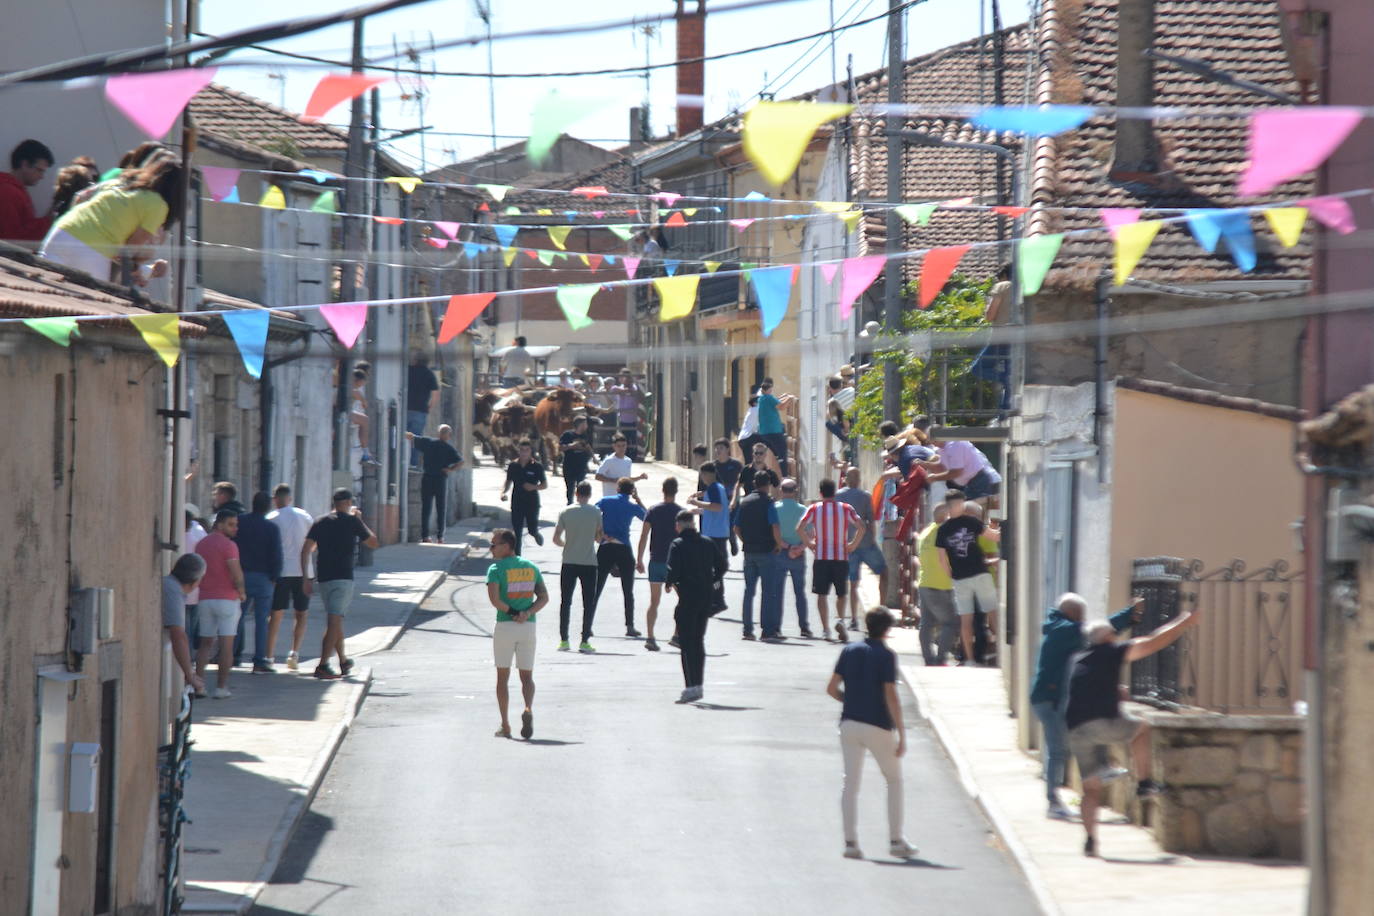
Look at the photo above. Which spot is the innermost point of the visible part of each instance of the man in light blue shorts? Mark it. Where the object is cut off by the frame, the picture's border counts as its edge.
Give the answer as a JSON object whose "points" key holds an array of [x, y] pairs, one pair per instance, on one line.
{"points": [[868, 552], [337, 536]]}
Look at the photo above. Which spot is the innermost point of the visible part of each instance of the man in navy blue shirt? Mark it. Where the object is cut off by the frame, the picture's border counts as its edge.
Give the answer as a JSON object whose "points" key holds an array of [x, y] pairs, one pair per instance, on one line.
{"points": [[259, 543], [715, 522], [617, 514], [865, 681]]}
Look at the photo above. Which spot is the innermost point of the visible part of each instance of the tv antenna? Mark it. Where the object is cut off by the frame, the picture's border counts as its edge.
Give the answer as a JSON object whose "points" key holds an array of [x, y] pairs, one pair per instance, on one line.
{"points": [[483, 10]]}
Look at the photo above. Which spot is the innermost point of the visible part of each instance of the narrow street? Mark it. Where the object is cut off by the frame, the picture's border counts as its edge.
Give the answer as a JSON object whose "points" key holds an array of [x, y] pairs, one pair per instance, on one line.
{"points": [[624, 801]]}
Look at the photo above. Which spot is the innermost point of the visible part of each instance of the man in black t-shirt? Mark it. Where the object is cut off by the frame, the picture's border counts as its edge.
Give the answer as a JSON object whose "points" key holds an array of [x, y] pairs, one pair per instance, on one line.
{"points": [[756, 526], [422, 389], [524, 479], [336, 536], [964, 562], [576, 447], [439, 458], [1094, 716]]}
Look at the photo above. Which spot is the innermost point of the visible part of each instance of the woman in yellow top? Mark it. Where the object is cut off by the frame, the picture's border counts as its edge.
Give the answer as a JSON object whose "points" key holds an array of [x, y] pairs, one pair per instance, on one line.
{"points": [[130, 216]]}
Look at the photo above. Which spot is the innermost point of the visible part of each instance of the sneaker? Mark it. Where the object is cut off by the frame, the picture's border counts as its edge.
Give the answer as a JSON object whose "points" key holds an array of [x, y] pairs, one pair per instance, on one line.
{"points": [[1059, 811], [1148, 788], [502, 732], [526, 724], [673, 642], [263, 668], [346, 667], [697, 693], [688, 695], [220, 693], [586, 648], [774, 638], [806, 633], [326, 673], [293, 662], [564, 647], [1111, 774], [852, 851], [1090, 847], [901, 849], [651, 644], [840, 634], [632, 633], [748, 635], [854, 624], [538, 538]]}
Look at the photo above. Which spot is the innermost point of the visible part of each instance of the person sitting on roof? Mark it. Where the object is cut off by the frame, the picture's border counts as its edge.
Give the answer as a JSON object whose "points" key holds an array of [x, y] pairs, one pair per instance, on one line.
{"points": [[29, 162], [127, 218]]}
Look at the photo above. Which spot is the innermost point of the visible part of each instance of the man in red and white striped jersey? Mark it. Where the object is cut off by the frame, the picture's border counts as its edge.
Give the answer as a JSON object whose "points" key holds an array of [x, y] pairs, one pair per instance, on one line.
{"points": [[823, 529]]}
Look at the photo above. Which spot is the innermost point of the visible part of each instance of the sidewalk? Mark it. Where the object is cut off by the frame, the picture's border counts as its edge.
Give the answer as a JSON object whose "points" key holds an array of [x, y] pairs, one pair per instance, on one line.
{"points": [[259, 756]]}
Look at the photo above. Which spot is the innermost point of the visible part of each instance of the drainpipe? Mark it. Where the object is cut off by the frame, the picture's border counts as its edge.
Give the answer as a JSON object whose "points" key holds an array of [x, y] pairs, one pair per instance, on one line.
{"points": [[1100, 376]]}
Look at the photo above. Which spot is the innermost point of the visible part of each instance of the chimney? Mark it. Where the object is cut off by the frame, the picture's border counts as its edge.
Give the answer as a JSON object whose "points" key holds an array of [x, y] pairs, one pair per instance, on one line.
{"points": [[691, 77], [1136, 154], [639, 128]]}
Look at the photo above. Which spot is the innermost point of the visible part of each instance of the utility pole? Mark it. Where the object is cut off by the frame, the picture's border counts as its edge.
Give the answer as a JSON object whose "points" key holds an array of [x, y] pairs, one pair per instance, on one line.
{"points": [[354, 194], [892, 283]]}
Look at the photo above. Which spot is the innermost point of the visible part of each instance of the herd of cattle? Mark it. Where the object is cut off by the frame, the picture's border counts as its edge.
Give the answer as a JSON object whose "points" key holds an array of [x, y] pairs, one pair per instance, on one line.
{"points": [[503, 419]]}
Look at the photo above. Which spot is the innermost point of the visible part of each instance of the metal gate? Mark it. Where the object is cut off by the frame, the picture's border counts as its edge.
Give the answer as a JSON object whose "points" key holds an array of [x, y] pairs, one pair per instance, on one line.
{"points": [[173, 768]]}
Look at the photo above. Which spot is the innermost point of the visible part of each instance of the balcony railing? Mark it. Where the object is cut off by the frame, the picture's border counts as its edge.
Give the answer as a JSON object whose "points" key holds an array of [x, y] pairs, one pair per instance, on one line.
{"points": [[965, 386]]}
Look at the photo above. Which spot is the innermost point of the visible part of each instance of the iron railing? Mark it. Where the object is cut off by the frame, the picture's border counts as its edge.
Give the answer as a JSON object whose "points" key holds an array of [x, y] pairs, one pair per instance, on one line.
{"points": [[1245, 654], [964, 386]]}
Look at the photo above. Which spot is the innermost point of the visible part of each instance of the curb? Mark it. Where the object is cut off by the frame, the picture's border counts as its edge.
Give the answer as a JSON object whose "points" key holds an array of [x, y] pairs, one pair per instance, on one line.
{"points": [[999, 821]]}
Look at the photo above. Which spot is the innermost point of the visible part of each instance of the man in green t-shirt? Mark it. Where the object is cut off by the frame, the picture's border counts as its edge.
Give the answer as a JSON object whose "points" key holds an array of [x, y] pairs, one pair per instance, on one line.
{"points": [[516, 589], [935, 594]]}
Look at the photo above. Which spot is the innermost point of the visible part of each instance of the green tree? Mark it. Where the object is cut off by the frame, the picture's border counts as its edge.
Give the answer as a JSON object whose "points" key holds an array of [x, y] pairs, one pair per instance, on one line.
{"points": [[958, 310]]}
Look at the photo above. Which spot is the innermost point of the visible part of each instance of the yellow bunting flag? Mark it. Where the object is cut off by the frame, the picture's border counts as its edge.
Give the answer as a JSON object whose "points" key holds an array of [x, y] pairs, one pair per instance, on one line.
{"points": [[559, 234], [1132, 241], [851, 219], [508, 255], [832, 206], [161, 333], [776, 134], [544, 211], [678, 295], [689, 211], [712, 266], [586, 261], [273, 198], [1287, 223], [406, 184]]}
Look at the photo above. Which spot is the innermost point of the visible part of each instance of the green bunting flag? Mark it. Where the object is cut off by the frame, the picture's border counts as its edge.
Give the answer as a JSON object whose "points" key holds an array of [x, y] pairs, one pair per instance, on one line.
{"points": [[58, 330], [326, 203], [1034, 258], [576, 301]]}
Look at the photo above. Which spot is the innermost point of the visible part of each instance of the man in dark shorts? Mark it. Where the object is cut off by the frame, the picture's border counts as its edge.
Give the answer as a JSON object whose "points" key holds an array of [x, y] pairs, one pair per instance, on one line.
{"points": [[524, 479], [576, 447], [294, 524], [439, 459], [1094, 717], [693, 564], [822, 529], [657, 533]]}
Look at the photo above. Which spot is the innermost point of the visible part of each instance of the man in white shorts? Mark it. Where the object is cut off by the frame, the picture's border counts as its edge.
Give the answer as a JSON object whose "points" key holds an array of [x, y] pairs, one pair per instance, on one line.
{"points": [[962, 558], [221, 590], [516, 589]]}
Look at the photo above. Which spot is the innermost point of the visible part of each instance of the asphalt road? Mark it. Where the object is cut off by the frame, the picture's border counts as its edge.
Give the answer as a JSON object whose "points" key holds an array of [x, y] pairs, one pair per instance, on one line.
{"points": [[624, 802]]}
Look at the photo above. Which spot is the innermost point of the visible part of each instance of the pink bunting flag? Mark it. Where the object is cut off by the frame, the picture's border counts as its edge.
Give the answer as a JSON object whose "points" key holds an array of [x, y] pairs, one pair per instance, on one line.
{"points": [[668, 197], [335, 88], [741, 224], [437, 243], [219, 182], [448, 229], [828, 271], [856, 276], [1289, 142], [152, 101], [1332, 212], [591, 192], [631, 265], [1116, 217], [597, 214], [347, 319]]}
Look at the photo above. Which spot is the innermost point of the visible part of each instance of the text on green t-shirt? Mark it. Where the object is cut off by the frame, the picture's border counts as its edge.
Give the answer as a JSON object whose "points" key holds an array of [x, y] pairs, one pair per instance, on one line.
{"points": [[516, 579]]}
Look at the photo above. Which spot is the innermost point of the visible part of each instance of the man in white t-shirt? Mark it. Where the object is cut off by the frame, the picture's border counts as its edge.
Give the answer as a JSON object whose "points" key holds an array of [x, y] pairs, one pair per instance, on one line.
{"points": [[616, 466], [294, 524], [749, 429], [517, 364]]}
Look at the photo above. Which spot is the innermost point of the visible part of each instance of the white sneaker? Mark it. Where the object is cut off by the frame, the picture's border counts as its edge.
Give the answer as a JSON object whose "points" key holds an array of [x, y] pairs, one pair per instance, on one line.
{"points": [[1110, 774], [852, 851], [901, 849], [293, 661], [220, 693]]}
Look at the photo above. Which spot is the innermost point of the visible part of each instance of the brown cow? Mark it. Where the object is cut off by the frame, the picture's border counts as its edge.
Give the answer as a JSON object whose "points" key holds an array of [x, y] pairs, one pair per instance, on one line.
{"points": [[554, 416], [512, 421]]}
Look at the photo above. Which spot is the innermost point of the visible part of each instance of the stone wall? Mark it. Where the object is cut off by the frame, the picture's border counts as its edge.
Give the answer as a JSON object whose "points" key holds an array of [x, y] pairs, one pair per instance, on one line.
{"points": [[1234, 784]]}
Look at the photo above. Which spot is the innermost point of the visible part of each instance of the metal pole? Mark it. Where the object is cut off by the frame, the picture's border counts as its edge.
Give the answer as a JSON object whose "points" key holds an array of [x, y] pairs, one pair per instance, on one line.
{"points": [[352, 243], [892, 283]]}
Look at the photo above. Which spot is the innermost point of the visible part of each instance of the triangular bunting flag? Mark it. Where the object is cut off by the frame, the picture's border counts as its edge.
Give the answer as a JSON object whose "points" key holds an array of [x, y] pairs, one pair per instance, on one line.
{"points": [[631, 265], [233, 196], [508, 255], [326, 203], [776, 134], [856, 275], [1040, 122], [1034, 257], [553, 114], [741, 224], [484, 208], [1287, 223], [1205, 227], [347, 320], [624, 233], [668, 198], [152, 101], [1285, 143], [576, 302], [531, 253], [591, 193], [559, 234], [505, 233], [1132, 241], [161, 332], [497, 191], [389, 220], [677, 295], [677, 219], [509, 211], [1332, 212], [273, 199], [593, 261], [936, 268], [219, 181], [711, 266], [335, 88], [448, 229], [828, 272], [832, 206], [1011, 212], [434, 242], [544, 211], [586, 261], [756, 195], [610, 260], [689, 211], [58, 330], [598, 214], [319, 176], [1116, 217], [670, 267], [850, 218], [406, 183], [916, 214], [773, 286], [472, 249], [461, 312], [249, 330], [545, 256], [1240, 238]]}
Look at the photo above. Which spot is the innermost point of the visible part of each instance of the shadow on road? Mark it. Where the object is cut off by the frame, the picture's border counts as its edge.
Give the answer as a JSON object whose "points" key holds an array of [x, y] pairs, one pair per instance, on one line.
{"points": [[721, 708], [916, 863], [550, 742]]}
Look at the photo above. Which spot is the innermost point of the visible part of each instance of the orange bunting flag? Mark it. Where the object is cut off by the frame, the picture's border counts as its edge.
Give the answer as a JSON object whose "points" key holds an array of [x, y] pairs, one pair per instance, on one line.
{"points": [[936, 268], [591, 192], [389, 220], [461, 313], [677, 219], [336, 88], [1012, 212]]}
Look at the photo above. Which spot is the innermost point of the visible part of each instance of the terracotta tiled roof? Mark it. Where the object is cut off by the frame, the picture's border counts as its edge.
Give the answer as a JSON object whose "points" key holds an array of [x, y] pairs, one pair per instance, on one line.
{"points": [[1202, 158], [240, 116]]}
